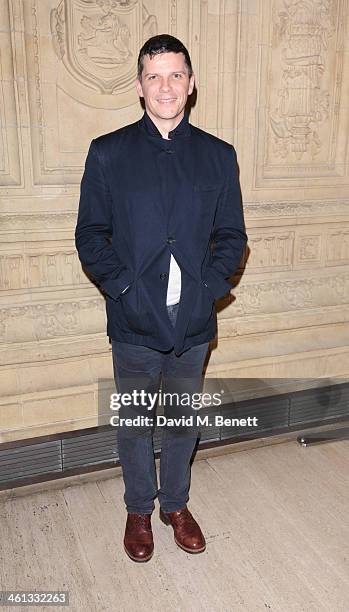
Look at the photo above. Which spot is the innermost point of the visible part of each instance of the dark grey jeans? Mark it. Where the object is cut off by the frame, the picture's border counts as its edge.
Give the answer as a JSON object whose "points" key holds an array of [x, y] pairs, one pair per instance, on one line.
{"points": [[143, 369]]}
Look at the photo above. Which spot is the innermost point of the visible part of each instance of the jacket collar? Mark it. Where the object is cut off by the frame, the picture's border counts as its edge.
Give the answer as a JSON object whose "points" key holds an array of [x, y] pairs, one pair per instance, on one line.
{"points": [[182, 129]]}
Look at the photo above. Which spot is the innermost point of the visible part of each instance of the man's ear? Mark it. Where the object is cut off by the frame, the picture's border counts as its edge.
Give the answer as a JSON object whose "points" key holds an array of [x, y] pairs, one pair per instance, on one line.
{"points": [[191, 84], [139, 88]]}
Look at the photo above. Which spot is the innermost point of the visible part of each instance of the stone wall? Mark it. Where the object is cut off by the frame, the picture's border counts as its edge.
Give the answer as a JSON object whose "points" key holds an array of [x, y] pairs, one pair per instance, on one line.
{"points": [[272, 78]]}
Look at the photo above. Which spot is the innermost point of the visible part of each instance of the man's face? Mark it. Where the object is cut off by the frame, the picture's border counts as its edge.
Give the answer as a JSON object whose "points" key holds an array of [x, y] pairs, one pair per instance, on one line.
{"points": [[165, 85]]}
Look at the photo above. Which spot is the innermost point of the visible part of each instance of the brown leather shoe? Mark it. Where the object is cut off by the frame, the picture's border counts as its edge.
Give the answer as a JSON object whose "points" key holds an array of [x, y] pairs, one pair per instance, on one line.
{"points": [[187, 533], [138, 540]]}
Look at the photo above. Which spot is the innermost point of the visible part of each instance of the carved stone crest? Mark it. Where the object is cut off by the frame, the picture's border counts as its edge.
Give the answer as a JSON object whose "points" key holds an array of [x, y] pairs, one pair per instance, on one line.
{"points": [[98, 40]]}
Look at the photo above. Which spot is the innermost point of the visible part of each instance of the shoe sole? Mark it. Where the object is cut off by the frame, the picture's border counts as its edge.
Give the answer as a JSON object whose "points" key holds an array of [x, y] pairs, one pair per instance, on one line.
{"points": [[144, 560], [189, 550]]}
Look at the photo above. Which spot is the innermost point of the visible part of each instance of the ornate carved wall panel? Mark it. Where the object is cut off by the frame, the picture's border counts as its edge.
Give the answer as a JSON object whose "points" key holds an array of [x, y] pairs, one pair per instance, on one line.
{"points": [[272, 78], [303, 96]]}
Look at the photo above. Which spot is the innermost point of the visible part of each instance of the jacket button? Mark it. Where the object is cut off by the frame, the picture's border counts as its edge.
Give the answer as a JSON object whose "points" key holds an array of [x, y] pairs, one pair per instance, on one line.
{"points": [[170, 240], [163, 275]]}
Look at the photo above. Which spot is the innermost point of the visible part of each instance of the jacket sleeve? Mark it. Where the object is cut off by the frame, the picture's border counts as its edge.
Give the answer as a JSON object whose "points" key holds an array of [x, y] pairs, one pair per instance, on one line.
{"points": [[228, 235], [94, 229]]}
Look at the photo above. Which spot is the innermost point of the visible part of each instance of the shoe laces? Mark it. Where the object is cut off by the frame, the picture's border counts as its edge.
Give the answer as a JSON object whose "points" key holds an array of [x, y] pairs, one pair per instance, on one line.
{"points": [[141, 519]]}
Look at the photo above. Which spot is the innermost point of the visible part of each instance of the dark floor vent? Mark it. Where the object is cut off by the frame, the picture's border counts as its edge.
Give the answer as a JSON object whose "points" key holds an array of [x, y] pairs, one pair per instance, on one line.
{"points": [[89, 449], [320, 404], [30, 460]]}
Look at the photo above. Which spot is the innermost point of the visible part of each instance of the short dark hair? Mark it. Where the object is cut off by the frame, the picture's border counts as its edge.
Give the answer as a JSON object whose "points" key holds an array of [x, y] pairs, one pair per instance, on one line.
{"points": [[163, 43]]}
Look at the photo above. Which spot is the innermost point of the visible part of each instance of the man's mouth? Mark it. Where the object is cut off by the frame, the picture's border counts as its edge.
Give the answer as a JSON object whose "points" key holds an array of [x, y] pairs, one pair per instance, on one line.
{"points": [[166, 100]]}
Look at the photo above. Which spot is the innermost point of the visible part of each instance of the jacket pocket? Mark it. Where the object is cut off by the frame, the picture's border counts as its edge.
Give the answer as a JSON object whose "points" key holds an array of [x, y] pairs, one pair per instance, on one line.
{"points": [[132, 316], [202, 312], [205, 201]]}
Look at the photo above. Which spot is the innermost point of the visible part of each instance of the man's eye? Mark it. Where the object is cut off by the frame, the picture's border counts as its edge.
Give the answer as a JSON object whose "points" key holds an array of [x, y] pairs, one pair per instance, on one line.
{"points": [[178, 75], [151, 77]]}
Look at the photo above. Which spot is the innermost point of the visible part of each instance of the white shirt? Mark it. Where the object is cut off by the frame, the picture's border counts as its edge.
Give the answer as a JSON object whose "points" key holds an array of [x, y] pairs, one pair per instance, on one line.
{"points": [[174, 283]]}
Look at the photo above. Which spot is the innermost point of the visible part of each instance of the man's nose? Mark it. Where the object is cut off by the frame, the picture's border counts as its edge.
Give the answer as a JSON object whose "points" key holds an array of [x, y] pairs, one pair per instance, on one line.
{"points": [[165, 84]]}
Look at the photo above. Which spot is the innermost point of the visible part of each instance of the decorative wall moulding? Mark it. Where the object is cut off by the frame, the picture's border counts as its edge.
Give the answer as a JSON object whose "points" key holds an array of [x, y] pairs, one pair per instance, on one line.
{"points": [[270, 296], [45, 269], [10, 137], [309, 250], [271, 251], [34, 263], [296, 208], [231, 325], [41, 317], [43, 221], [46, 351], [40, 221], [337, 247], [307, 245], [55, 319], [37, 382], [30, 265], [302, 364]]}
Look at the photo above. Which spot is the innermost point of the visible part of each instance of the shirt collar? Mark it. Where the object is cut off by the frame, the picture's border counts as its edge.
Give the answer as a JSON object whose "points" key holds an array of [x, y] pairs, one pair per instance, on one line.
{"points": [[182, 129]]}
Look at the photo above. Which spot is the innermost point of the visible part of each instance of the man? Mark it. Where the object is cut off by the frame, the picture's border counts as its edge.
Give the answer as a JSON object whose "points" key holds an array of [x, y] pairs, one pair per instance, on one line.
{"points": [[160, 229]]}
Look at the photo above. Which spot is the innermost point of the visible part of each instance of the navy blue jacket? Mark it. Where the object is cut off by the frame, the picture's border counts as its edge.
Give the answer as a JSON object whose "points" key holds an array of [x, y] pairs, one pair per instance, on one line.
{"points": [[144, 197]]}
